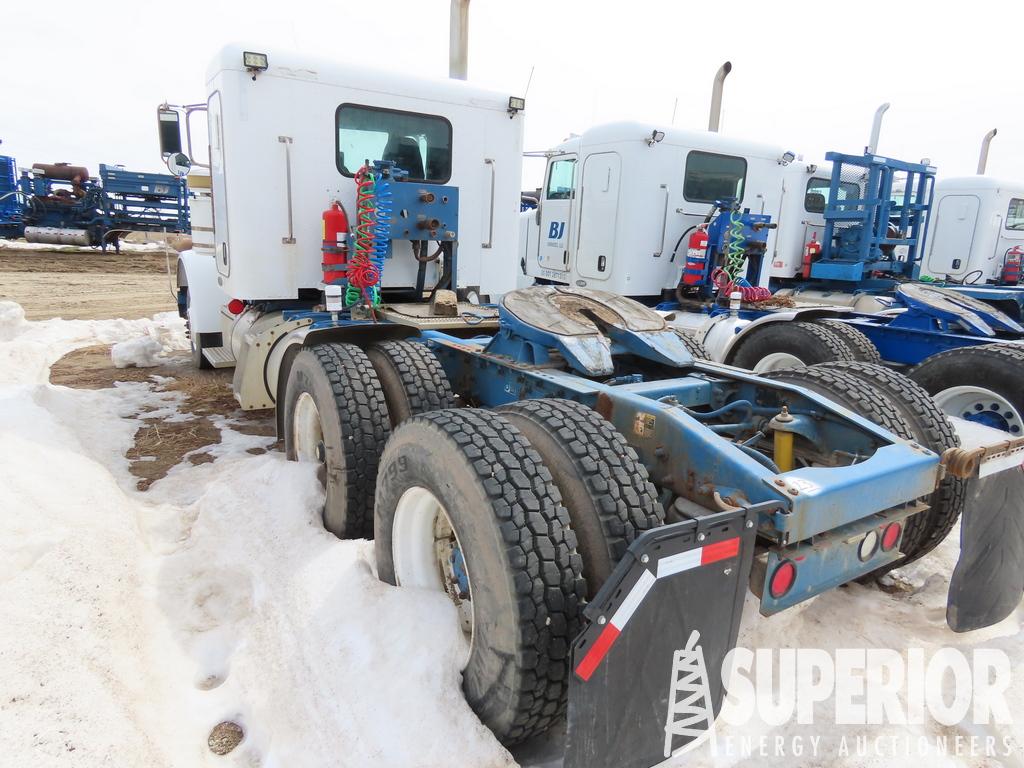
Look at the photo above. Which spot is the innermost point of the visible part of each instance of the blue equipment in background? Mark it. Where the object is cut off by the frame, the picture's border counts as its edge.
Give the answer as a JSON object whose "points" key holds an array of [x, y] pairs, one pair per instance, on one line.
{"points": [[862, 234], [62, 204]]}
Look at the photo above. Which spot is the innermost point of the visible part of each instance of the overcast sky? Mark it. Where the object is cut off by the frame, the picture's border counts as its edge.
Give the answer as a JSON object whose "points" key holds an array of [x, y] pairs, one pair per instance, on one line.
{"points": [[80, 81]]}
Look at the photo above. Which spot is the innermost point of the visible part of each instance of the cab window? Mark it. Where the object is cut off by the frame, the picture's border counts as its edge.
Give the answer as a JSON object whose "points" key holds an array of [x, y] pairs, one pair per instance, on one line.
{"points": [[1015, 214], [561, 179], [817, 193], [710, 177], [420, 145]]}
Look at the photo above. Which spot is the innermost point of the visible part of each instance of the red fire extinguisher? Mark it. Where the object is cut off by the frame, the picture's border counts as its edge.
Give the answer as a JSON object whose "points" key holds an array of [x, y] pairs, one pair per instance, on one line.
{"points": [[335, 243], [811, 251], [696, 256], [1011, 266]]}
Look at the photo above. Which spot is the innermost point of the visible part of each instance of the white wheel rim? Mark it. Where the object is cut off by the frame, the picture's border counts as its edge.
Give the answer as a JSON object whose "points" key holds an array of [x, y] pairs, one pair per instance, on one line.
{"points": [[427, 554], [778, 361], [307, 433], [976, 404]]}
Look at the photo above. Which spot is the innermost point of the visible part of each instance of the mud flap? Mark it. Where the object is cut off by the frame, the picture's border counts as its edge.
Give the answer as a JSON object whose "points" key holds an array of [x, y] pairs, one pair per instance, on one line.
{"points": [[988, 581], [646, 669]]}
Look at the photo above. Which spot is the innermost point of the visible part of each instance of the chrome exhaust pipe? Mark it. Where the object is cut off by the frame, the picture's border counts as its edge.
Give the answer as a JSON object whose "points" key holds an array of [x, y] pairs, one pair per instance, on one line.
{"points": [[983, 157], [458, 40], [876, 129], [715, 116]]}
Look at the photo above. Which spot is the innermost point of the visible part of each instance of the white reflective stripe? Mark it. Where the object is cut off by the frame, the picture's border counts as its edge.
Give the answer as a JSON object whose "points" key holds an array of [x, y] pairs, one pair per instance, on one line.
{"points": [[633, 599], [673, 564]]}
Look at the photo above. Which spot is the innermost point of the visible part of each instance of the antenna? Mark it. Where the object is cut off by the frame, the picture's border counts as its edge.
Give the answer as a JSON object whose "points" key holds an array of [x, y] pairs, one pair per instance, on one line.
{"points": [[675, 106], [529, 80]]}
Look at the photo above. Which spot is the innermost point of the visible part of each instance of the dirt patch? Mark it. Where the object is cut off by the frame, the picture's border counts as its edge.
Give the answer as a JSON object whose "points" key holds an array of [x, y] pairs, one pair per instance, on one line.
{"points": [[87, 284], [83, 260], [161, 445]]}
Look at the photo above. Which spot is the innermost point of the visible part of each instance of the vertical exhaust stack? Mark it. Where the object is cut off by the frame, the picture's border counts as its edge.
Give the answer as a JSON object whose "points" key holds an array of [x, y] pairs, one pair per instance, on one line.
{"points": [[715, 115], [876, 129], [458, 40], [983, 157]]}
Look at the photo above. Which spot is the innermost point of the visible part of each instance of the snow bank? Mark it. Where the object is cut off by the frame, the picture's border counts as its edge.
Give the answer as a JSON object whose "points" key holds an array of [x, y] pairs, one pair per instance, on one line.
{"points": [[143, 352], [131, 623]]}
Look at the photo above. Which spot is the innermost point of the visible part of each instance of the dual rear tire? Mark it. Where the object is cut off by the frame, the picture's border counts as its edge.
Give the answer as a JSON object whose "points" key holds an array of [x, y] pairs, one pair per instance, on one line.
{"points": [[516, 515]]}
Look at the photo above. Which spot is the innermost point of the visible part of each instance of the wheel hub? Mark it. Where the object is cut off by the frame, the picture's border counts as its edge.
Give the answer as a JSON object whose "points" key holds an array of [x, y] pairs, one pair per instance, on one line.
{"points": [[307, 432], [982, 406], [427, 552]]}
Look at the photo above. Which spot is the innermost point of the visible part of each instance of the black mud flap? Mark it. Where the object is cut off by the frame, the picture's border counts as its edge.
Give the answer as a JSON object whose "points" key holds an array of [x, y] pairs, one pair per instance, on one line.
{"points": [[988, 581], [646, 670]]}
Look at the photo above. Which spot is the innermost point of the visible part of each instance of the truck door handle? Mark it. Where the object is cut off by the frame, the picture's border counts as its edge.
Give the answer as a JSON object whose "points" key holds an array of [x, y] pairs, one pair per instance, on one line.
{"points": [[664, 224], [489, 161], [287, 141]]}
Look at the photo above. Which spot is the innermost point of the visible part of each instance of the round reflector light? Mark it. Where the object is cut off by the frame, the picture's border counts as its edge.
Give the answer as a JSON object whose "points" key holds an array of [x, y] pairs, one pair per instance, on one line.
{"points": [[868, 546], [782, 579], [891, 536], [236, 306]]}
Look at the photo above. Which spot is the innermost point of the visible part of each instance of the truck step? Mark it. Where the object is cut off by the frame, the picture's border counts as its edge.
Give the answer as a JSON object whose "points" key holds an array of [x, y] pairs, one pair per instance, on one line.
{"points": [[219, 357]]}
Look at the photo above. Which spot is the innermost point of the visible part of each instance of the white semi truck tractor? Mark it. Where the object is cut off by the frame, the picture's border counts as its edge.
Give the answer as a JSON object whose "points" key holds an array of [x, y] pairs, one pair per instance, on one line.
{"points": [[593, 499]]}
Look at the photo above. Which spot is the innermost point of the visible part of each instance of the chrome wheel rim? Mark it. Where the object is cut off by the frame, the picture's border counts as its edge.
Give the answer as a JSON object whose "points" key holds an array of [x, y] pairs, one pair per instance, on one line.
{"points": [[778, 361], [427, 554]]}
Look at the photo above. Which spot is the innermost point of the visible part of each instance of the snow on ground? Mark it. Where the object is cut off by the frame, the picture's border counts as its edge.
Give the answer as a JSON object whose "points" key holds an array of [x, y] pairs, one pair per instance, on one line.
{"points": [[132, 623]]}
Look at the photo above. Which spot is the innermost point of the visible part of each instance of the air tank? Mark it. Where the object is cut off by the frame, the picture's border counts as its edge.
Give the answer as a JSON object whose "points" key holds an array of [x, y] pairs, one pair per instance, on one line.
{"points": [[61, 171]]}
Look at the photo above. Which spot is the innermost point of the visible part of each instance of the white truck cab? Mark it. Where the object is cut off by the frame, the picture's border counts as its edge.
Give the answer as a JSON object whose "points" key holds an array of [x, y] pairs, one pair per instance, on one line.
{"points": [[618, 201], [285, 140], [976, 222]]}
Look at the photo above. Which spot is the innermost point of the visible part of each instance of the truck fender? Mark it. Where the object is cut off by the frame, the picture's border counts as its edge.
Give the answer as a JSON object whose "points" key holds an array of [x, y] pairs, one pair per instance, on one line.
{"points": [[720, 338], [197, 272]]}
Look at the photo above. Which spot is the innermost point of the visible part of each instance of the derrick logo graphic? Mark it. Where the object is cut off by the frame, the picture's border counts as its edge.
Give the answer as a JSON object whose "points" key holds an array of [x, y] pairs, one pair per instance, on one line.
{"points": [[691, 714], [556, 231]]}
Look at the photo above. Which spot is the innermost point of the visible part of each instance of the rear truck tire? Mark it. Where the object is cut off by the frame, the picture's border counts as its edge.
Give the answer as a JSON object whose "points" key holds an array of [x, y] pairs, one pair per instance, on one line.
{"points": [[411, 378], [466, 506], [788, 344], [334, 414], [969, 381], [860, 346], [933, 430], [865, 399], [693, 346], [603, 485]]}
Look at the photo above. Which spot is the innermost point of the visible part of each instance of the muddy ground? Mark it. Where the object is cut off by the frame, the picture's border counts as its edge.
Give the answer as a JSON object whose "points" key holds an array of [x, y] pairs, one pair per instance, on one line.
{"points": [[93, 285], [87, 284]]}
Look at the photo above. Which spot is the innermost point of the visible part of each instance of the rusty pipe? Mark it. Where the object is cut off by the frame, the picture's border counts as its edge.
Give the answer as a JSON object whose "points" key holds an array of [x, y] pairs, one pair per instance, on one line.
{"points": [[983, 157], [715, 115]]}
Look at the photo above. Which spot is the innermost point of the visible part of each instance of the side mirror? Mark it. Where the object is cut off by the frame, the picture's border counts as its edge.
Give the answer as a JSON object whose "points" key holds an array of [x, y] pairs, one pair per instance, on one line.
{"points": [[169, 125], [179, 164]]}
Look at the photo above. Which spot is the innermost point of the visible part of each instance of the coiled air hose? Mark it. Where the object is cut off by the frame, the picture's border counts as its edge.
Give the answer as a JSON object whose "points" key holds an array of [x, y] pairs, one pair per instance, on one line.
{"points": [[727, 278]]}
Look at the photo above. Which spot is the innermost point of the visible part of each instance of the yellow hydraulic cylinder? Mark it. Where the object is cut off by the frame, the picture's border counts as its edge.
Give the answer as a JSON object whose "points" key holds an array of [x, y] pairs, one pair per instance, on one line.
{"points": [[783, 439]]}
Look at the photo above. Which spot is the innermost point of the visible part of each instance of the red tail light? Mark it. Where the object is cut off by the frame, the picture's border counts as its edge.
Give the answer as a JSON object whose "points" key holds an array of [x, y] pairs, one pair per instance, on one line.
{"points": [[236, 306], [891, 536], [782, 579]]}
